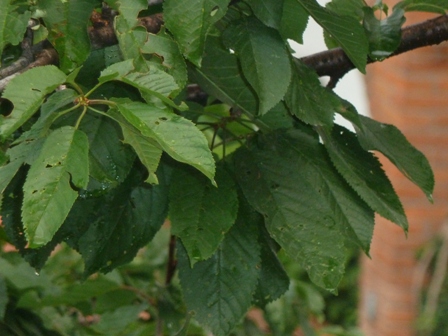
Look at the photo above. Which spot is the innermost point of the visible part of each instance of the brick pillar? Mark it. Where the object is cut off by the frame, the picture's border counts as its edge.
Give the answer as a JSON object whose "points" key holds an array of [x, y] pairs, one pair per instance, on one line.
{"points": [[411, 92]]}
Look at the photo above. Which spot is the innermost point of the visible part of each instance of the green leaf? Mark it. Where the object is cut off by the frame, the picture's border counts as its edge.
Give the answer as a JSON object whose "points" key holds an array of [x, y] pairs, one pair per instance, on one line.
{"points": [[273, 281], [54, 103], [48, 191], [189, 22], [21, 276], [283, 315], [346, 30], [79, 292], [432, 6], [263, 57], [109, 230], [156, 82], [163, 46], [177, 136], [278, 117], [219, 290], [18, 155], [362, 170], [309, 210], [117, 321], [384, 35], [268, 11], [130, 40], [308, 100], [110, 161], [294, 21], [220, 77], [27, 92], [146, 149], [68, 34], [353, 8], [393, 144], [12, 24], [3, 298], [200, 213], [7, 173]]}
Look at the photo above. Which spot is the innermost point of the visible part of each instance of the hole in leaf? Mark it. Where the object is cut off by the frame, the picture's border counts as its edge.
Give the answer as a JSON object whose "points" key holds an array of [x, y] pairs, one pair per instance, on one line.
{"points": [[214, 11], [37, 90]]}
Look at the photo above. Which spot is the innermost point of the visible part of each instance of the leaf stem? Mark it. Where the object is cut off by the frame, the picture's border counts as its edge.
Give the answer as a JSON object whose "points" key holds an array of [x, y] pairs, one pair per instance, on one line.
{"points": [[83, 113], [109, 103], [93, 89]]}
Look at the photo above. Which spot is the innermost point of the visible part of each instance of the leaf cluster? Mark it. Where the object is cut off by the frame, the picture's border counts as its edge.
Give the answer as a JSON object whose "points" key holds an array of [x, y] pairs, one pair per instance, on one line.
{"points": [[101, 150]]}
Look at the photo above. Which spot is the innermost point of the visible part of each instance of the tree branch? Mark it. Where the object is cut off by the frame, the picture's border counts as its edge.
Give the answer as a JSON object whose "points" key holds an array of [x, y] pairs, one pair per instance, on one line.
{"points": [[333, 63], [336, 64]]}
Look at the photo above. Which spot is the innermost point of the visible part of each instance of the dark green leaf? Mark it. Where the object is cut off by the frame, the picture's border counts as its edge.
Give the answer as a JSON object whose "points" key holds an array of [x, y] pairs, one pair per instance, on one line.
{"points": [[12, 24], [27, 92], [294, 20], [309, 210], [3, 298], [273, 281], [278, 117], [68, 34], [177, 136], [110, 161], [48, 192], [263, 57], [220, 77], [353, 8], [11, 210], [146, 149], [190, 22], [344, 29], [268, 11], [79, 292], [25, 152], [393, 144], [7, 172], [109, 230], [362, 170], [308, 100], [21, 276], [219, 289], [116, 322], [200, 213], [384, 35]]}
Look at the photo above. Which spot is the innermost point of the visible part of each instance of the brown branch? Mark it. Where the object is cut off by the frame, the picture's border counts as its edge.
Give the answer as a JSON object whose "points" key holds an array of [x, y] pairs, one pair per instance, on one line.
{"points": [[172, 262], [335, 63]]}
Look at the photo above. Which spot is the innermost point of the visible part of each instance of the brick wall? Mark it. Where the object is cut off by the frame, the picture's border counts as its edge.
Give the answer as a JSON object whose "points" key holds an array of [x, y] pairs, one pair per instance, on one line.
{"points": [[411, 92]]}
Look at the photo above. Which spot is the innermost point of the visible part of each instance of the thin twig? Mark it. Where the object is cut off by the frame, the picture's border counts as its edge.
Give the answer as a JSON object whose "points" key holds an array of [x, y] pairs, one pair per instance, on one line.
{"points": [[172, 262]]}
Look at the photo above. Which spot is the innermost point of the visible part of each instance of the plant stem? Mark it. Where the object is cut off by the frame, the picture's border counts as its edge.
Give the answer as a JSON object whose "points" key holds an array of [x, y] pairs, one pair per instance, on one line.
{"points": [[83, 113]]}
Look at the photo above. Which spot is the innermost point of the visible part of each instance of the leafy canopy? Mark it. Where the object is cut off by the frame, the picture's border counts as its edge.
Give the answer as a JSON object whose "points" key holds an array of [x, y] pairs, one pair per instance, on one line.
{"points": [[99, 151]]}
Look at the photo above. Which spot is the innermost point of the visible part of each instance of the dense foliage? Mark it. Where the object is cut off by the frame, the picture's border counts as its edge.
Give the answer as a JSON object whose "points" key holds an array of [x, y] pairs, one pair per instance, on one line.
{"points": [[210, 123]]}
